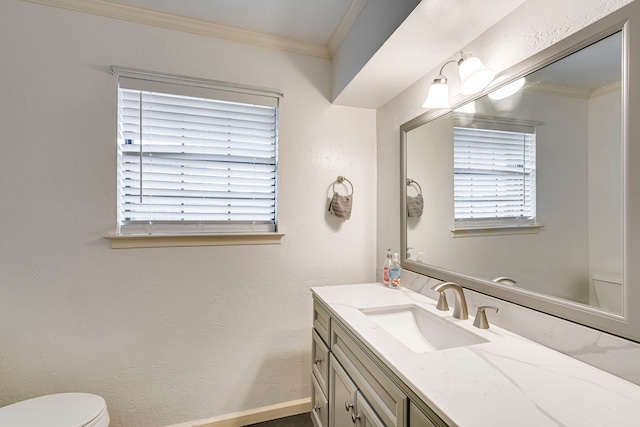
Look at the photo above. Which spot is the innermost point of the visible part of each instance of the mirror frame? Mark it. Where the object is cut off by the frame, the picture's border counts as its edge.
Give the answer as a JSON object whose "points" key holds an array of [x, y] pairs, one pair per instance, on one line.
{"points": [[626, 325]]}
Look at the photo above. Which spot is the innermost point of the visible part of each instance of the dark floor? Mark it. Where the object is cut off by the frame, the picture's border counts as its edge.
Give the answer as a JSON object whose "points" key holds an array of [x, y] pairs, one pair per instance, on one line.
{"points": [[302, 420]]}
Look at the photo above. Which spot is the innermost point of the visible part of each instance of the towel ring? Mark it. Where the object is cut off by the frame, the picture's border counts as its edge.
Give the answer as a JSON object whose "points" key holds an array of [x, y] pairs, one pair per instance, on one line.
{"points": [[340, 180], [411, 181]]}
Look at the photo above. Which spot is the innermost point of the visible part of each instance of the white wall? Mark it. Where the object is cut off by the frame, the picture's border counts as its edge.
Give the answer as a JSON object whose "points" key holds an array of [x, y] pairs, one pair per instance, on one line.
{"points": [[166, 335], [430, 164], [605, 175]]}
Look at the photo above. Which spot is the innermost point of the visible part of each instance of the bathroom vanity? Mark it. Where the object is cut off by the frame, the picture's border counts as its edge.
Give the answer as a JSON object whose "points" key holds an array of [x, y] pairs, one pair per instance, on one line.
{"points": [[386, 357]]}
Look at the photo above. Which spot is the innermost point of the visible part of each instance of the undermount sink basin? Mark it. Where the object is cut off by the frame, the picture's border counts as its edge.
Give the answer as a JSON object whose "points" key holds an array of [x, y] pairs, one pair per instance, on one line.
{"points": [[421, 330]]}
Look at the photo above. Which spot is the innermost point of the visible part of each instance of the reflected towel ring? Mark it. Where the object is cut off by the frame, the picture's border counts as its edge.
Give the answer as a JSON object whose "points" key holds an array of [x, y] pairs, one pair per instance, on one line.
{"points": [[415, 204], [340, 180], [411, 181]]}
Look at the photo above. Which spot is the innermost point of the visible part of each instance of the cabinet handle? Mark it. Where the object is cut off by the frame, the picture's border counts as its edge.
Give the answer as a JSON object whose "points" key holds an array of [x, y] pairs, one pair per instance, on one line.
{"points": [[348, 406], [355, 418], [316, 408], [317, 361]]}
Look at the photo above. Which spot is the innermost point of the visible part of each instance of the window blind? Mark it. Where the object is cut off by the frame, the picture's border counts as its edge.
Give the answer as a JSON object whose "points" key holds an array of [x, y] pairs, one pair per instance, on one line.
{"points": [[195, 164], [494, 173]]}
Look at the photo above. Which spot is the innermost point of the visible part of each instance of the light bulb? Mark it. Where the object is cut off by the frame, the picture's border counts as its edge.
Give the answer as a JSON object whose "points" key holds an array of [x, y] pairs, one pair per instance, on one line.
{"points": [[438, 96], [474, 75]]}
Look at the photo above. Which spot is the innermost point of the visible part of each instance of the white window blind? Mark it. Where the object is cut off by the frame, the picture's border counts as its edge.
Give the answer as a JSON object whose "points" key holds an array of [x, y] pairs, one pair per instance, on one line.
{"points": [[194, 157], [494, 173]]}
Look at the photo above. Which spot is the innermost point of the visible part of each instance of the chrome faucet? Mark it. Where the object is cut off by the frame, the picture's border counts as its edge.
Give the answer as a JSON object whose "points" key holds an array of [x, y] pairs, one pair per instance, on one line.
{"points": [[460, 309]]}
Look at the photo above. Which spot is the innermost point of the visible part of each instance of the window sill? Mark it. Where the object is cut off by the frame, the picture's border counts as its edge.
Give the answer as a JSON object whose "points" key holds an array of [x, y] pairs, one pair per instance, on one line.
{"points": [[184, 240], [497, 230]]}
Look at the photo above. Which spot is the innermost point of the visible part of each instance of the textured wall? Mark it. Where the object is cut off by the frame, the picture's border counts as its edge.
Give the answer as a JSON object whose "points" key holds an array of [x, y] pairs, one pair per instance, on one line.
{"points": [[166, 335]]}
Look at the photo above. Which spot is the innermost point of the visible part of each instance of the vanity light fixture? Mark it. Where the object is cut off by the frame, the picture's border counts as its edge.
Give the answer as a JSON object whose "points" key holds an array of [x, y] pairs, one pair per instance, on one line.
{"points": [[474, 77], [438, 96]]}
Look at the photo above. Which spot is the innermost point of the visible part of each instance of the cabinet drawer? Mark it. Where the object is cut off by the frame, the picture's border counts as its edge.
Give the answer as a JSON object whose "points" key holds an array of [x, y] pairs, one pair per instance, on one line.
{"points": [[319, 405], [321, 320], [320, 360], [384, 396]]}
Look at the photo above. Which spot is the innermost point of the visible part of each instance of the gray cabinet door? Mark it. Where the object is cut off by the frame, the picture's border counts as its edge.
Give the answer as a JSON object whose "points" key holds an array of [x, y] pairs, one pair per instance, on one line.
{"points": [[342, 396]]}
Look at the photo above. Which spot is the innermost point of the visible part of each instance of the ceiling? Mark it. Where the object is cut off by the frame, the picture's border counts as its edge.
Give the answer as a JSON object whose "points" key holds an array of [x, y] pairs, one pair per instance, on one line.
{"points": [[430, 35], [313, 21], [594, 67]]}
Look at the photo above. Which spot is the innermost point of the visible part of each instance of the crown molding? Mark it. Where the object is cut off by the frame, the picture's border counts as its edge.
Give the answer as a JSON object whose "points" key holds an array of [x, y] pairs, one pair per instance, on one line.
{"points": [[558, 90], [610, 88], [571, 91], [347, 21], [188, 25]]}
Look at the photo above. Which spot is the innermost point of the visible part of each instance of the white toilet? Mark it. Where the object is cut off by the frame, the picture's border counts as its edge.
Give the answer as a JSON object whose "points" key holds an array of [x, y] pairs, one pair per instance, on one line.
{"points": [[57, 410], [608, 290]]}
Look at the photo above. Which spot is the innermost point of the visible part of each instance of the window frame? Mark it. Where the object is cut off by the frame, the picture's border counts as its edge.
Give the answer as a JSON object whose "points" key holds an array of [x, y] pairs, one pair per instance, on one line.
{"points": [[196, 232], [468, 227]]}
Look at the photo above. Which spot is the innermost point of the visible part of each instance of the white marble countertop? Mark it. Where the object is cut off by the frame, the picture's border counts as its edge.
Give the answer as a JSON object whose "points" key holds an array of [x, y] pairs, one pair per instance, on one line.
{"points": [[508, 381]]}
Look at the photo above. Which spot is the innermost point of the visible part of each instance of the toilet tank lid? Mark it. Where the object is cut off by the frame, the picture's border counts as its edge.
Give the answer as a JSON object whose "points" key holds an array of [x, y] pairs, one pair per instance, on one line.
{"points": [[54, 410]]}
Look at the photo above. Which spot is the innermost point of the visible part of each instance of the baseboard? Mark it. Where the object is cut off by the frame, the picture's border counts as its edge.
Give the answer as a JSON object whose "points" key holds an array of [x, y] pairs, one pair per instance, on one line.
{"points": [[252, 416]]}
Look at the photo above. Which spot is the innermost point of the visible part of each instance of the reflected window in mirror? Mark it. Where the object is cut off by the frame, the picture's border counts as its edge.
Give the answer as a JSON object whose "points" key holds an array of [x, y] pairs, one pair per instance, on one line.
{"points": [[494, 172]]}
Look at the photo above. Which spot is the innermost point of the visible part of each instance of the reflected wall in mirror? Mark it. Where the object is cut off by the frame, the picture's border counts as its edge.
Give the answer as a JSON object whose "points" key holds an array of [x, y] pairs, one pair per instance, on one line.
{"points": [[526, 190]]}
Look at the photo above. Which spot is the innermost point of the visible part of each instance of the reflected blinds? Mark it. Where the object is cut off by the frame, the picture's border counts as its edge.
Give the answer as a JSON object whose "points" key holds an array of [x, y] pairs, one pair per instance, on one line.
{"points": [[494, 172], [195, 159]]}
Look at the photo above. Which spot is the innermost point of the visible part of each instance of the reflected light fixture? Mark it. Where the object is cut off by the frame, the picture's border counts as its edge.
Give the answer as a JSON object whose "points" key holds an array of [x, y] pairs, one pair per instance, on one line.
{"points": [[468, 108], [507, 90], [474, 77]]}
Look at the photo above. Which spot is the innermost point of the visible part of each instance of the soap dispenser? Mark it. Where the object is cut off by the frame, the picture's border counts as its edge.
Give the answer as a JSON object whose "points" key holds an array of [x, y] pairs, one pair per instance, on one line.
{"points": [[395, 272], [385, 269]]}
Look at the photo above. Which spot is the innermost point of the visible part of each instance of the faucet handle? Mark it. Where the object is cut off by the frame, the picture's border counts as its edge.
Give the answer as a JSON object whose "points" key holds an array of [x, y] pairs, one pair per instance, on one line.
{"points": [[481, 317], [442, 305]]}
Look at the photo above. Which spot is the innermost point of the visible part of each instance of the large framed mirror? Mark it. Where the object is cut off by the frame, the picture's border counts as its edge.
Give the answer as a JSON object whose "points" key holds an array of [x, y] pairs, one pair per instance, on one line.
{"points": [[526, 191]]}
